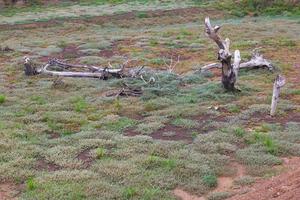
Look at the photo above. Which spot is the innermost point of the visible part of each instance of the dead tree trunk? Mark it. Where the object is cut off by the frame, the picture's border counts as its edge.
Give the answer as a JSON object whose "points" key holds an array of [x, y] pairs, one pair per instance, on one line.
{"points": [[278, 84], [29, 69], [229, 74]]}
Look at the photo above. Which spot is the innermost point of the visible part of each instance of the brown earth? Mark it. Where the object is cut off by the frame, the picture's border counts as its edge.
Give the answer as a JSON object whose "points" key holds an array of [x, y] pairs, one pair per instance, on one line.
{"points": [[42, 164], [86, 158], [7, 191], [285, 186], [100, 20]]}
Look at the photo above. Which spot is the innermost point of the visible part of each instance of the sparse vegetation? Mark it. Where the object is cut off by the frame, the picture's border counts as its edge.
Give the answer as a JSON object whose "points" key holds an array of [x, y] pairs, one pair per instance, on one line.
{"points": [[77, 142]]}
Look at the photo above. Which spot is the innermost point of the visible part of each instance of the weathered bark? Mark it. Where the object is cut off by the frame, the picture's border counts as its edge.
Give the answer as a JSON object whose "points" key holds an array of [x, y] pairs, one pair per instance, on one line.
{"points": [[278, 84], [29, 69], [257, 61], [229, 74], [89, 71]]}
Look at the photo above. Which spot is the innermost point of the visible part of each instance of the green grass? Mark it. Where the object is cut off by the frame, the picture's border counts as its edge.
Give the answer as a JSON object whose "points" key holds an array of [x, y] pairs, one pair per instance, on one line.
{"points": [[2, 98], [100, 152], [129, 192], [260, 7], [31, 184], [210, 180]]}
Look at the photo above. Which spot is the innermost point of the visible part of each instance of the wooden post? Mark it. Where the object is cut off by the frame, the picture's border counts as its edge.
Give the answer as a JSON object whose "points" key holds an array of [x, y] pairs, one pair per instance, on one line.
{"points": [[278, 84]]}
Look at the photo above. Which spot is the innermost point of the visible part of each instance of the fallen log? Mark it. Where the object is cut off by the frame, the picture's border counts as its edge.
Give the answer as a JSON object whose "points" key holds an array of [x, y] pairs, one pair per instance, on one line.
{"points": [[78, 70], [278, 84]]}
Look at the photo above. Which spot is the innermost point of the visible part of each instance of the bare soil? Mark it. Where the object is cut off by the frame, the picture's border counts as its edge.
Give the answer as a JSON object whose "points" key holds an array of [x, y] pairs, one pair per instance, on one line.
{"points": [[7, 191], [100, 20], [42, 164], [282, 187], [86, 158], [285, 186]]}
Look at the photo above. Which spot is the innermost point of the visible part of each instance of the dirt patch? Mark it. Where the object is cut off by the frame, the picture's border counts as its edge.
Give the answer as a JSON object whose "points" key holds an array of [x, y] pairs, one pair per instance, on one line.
{"points": [[86, 158], [52, 134], [42, 164], [169, 132], [179, 134], [8, 191], [68, 52], [100, 20], [283, 120], [226, 183], [107, 53], [282, 187], [186, 196]]}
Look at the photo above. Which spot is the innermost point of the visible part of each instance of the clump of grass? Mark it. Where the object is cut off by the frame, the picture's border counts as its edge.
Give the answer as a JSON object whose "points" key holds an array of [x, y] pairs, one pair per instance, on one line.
{"points": [[245, 180], [240, 132], [142, 15], [219, 195], [80, 104], [233, 108], [210, 180], [153, 42], [2, 98], [148, 128], [186, 123], [256, 155], [31, 184], [100, 152], [119, 124], [117, 105], [62, 44], [156, 161], [38, 99], [266, 140], [129, 192]]}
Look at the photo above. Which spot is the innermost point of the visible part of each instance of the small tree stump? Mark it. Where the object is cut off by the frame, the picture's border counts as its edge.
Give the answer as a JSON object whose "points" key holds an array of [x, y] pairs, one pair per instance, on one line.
{"points": [[278, 84]]}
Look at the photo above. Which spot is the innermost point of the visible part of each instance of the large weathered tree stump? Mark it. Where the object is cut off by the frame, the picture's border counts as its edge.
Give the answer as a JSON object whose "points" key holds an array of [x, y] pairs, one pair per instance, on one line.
{"points": [[229, 71]]}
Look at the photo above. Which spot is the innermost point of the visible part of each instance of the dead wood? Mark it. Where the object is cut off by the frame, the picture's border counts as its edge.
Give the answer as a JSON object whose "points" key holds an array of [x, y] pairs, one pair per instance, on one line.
{"points": [[229, 75], [71, 70], [278, 84], [126, 91], [257, 61], [230, 70]]}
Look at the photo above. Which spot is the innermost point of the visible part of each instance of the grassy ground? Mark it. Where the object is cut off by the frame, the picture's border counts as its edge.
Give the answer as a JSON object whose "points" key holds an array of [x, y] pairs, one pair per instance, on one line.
{"points": [[70, 141]]}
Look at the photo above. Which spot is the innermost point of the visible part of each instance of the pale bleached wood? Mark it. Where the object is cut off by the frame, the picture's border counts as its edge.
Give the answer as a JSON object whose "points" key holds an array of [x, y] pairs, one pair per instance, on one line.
{"points": [[278, 84], [89, 71], [236, 63], [257, 61]]}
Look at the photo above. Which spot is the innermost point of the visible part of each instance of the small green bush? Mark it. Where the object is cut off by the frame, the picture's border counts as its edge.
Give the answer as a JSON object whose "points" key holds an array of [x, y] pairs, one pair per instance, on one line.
{"points": [[31, 184], [2, 98], [210, 180], [80, 104], [240, 132], [100, 152]]}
